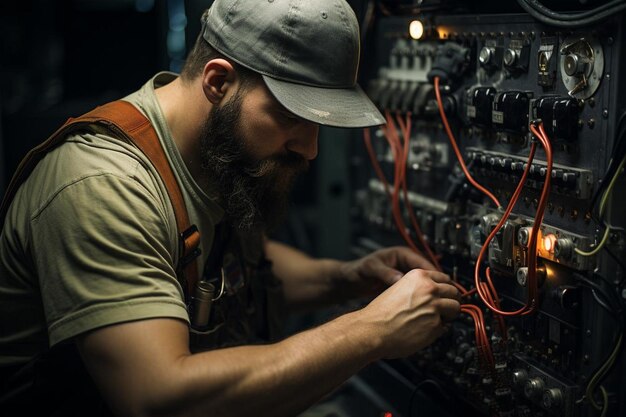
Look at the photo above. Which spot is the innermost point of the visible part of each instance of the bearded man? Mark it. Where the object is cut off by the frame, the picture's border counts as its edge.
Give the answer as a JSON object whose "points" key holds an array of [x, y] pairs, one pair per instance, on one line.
{"points": [[98, 316]]}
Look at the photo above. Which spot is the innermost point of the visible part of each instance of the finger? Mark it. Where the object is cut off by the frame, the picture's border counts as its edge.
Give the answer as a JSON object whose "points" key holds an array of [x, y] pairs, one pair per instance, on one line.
{"points": [[448, 291], [448, 308], [384, 273], [406, 259]]}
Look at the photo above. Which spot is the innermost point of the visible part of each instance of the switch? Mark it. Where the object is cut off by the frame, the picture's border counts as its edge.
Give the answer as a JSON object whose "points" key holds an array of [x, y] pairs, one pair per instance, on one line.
{"points": [[559, 115], [510, 111], [480, 104]]}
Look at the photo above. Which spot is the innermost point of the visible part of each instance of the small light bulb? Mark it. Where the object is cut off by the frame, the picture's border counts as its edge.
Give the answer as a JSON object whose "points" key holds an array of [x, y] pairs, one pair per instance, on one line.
{"points": [[548, 242], [416, 29]]}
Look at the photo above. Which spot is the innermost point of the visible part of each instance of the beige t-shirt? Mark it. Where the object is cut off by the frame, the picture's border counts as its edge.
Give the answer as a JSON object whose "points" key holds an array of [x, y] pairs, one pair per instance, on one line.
{"points": [[91, 240]]}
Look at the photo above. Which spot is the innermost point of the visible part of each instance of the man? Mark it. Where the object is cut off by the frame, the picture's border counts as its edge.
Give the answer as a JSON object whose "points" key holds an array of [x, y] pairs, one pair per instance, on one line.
{"points": [[88, 251]]}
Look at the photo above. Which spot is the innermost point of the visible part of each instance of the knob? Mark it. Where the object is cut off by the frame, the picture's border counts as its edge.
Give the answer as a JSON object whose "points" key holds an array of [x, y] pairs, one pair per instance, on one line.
{"points": [[564, 248], [486, 55], [552, 398], [533, 387], [519, 376], [510, 57], [569, 178], [573, 65]]}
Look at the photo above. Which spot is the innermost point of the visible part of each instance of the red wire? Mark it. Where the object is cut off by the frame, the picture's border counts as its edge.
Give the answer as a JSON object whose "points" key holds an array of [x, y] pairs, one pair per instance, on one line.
{"points": [[446, 125], [532, 284], [482, 340], [399, 222], [367, 138], [406, 129]]}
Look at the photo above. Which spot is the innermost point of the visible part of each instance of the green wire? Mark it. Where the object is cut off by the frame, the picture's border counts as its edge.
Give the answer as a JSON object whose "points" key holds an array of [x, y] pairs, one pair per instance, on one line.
{"points": [[605, 401], [603, 201], [591, 386]]}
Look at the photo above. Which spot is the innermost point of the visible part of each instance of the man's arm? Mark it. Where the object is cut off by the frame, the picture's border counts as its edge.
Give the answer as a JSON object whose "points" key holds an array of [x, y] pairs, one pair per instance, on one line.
{"points": [[144, 368], [309, 283]]}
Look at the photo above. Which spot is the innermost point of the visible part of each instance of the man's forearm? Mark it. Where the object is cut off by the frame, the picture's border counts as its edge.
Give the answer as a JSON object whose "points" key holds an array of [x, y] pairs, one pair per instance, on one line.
{"points": [[281, 379], [307, 282], [144, 368]]}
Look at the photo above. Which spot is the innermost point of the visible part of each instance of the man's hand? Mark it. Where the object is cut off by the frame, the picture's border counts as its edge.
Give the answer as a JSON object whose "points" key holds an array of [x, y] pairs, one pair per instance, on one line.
{"points": [[375, 272], [312, 283], [411, 313]]}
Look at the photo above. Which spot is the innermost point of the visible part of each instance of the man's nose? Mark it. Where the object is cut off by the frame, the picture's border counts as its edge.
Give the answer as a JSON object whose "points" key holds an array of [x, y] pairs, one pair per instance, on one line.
{"points": [[306, 142]]}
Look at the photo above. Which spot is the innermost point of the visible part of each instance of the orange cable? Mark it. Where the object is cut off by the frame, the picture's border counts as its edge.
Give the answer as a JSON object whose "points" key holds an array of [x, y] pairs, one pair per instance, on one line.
{"points": [[457, 151]]}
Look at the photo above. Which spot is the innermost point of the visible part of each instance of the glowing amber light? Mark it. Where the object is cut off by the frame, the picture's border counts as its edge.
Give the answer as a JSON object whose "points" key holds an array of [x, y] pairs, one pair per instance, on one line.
{"points": [[548, 242], [416, 29]]}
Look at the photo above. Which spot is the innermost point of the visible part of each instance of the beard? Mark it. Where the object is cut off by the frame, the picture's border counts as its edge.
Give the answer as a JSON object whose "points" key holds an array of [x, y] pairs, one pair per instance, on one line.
{"points": [[253, 192]]}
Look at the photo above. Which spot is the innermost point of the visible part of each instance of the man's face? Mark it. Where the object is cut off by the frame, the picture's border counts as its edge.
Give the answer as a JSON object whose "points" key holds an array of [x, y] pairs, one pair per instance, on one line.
{"points": [[252, 150]]}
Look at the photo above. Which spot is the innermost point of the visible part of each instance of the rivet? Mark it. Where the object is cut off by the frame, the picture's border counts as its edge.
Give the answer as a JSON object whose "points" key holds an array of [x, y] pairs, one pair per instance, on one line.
{"points": [[324, 15]]}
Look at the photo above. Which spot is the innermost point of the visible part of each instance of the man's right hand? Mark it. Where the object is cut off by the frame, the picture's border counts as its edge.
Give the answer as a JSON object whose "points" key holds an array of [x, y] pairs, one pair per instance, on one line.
{"points": [[411, 314]]}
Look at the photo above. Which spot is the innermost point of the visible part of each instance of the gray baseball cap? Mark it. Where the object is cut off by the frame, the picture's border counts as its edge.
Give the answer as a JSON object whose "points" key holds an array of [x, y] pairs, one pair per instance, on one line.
{"points": [[307, 52]]}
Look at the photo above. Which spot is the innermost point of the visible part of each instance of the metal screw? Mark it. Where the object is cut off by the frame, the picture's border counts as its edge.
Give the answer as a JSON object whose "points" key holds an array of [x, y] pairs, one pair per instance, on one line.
{"points": [[588, 332], [591, 123], [605, 113], [522, 276]]}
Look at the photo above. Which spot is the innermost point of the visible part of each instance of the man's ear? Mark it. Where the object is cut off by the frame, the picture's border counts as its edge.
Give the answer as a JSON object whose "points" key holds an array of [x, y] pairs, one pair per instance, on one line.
{"points": [[217, 77]]}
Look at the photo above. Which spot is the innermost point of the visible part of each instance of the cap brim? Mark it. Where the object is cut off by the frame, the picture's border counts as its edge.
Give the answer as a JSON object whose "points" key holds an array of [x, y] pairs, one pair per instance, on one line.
{"points": [[337, 107]]}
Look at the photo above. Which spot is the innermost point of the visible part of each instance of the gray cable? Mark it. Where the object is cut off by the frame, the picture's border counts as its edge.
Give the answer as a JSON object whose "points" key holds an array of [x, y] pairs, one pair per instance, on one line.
{"points": [[596, 18]]}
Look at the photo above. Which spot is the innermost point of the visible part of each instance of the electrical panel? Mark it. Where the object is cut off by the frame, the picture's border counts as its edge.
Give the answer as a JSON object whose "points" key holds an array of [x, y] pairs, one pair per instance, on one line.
{"points": [[501, 77]]}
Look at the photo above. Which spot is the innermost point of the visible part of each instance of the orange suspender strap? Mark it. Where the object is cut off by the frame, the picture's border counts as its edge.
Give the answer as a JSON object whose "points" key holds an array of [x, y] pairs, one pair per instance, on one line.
{"points": [[126, 121]]}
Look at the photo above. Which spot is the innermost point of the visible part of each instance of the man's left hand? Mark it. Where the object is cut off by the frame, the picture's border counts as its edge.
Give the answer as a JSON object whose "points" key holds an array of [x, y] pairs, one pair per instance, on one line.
{"points": [[373, 273]]}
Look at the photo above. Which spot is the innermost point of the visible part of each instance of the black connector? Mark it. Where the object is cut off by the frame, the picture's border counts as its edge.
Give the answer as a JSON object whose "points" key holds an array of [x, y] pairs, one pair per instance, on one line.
{"points": [[450, 62]]}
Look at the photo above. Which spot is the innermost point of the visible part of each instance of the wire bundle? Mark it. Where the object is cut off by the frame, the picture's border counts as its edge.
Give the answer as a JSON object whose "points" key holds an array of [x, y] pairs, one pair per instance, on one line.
{"points": [[400, 152], [532, 281], [572, 20]]}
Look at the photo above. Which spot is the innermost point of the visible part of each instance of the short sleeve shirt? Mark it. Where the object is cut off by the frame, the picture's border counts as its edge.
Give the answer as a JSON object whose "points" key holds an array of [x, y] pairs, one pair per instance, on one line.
{"points": [[90, 238]]}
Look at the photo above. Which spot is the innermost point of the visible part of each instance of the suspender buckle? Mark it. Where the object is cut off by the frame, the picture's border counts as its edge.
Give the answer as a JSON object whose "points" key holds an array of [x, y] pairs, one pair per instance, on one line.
{"points": [[189, 246]]}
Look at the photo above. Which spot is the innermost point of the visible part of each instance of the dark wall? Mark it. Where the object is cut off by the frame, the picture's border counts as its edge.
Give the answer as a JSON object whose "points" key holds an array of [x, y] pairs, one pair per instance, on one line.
{"points": [[61, 58]]}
